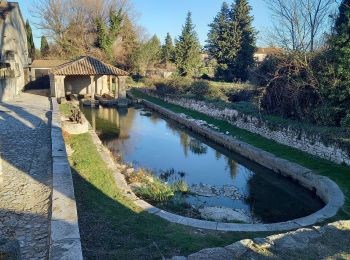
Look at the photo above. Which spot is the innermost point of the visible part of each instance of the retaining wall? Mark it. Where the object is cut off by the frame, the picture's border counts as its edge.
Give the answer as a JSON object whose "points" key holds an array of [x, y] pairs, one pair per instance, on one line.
{"points": [[285, 135], [325, 188], [65, 237]]}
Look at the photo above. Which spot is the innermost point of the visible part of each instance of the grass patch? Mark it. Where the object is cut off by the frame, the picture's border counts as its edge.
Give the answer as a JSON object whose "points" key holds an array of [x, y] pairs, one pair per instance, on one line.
{"points": [[112, 227], [66, 109], [338, 173]]}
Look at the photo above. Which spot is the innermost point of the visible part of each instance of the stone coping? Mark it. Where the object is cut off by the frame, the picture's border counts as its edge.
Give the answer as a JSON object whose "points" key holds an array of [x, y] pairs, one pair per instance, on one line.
{"points": [[326, 189], [65, 237]]}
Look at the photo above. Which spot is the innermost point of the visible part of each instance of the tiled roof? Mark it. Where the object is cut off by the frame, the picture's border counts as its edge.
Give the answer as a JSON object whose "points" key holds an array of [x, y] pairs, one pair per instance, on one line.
{"points": [[87, 65], [48, 64]]}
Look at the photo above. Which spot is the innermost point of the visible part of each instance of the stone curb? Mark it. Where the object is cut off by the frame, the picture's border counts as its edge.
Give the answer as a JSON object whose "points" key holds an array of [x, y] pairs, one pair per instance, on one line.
{"points": [[65, 237], [324, 187]]}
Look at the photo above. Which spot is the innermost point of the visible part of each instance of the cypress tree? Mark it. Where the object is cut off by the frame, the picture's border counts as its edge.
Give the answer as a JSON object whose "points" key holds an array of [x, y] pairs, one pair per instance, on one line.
{"points": [[44, 47], [168, 50], [338, 92], [187, 49], [223, 43], [103, 40], [30, 41], [240, 15]]}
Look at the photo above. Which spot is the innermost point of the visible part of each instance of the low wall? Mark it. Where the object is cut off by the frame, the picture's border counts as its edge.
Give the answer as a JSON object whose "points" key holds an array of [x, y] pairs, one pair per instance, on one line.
{"points": [[65, 236], [325, 188], [283, 135]]}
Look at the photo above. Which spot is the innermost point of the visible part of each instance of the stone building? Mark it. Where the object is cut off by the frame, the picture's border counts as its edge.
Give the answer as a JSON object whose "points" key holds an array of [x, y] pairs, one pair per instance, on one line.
{"points": [[13, 51], [87, 76], [261, 53]]}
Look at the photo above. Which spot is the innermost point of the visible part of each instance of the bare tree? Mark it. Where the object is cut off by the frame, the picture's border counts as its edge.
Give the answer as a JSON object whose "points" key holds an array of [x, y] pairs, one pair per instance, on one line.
{"points": [[300, 24], [70, 25]]}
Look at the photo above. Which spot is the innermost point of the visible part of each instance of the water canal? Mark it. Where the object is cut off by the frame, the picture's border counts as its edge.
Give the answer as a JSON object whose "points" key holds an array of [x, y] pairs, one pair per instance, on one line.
{"points": [[220, 177]]}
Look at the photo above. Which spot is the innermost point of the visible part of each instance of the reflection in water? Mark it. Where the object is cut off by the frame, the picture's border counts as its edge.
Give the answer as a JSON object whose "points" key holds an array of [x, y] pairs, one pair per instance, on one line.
{"points": [[175, 153]]}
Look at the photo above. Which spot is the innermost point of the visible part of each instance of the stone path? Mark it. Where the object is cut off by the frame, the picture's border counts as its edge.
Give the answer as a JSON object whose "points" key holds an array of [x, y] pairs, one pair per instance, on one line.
{"points": [[26, 174], [331, 241]]}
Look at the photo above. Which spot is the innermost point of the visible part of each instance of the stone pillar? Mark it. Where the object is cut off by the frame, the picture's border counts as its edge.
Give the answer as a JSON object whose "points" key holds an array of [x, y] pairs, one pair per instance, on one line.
{"points": [[92, 86], [57, 86], [110, 85], [116, 91], [122, 86]]}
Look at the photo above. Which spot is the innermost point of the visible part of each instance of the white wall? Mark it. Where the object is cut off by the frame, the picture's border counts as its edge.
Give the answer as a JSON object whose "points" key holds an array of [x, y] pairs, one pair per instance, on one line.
{"points": [[13, 38]]}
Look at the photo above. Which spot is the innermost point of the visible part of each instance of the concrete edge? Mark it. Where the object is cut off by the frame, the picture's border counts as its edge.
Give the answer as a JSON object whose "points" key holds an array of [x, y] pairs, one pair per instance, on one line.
{"points": [[64, 231], [324, 187], [329, 191]]}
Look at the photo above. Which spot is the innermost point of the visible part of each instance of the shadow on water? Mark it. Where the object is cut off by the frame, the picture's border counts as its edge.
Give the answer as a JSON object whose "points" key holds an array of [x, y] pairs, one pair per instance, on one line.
{"points": [[270, 197], [110, 228]]}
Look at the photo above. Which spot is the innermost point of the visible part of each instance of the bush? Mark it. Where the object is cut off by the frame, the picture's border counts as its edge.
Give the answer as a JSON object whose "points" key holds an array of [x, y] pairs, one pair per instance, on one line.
{"points": [[181, 186], [156, 191], [203, 89], [174, 86], [243, 95], [346, 121]]}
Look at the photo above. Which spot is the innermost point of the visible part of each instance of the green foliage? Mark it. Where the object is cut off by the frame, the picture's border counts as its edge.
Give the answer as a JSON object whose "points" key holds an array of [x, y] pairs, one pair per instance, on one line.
{"points": [[181, 186], [174, 86], [30, 41], [156, 191], [231, 41], [202, 88], [44, 47], [187, 49], [345, 122], [107, 34], [168, 50], [147, 56], [245, 56]]}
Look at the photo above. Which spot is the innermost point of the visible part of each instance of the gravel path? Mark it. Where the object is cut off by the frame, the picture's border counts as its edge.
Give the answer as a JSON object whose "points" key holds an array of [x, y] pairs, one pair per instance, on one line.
{"points": [[26, 173]]}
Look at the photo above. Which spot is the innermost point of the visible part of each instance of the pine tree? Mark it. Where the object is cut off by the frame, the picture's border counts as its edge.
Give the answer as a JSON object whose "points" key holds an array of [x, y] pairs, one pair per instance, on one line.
{"points": [[44, 47], [338, 91], [187, 49], [107, 35], [115, 22], [168, 50], [224, 42], [240, 16], [30, 41]]}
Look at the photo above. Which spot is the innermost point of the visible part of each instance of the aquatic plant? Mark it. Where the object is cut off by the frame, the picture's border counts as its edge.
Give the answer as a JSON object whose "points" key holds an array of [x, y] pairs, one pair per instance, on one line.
{"points": [[156, 191], [181, 186]]}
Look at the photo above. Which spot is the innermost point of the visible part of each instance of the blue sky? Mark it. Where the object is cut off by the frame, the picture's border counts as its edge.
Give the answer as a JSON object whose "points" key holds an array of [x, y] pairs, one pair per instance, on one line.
{"points": [[162, 16]]}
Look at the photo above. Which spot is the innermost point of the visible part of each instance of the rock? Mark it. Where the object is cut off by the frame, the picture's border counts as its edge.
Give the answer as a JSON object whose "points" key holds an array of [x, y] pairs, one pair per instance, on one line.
{"points": [[179, 258], [225, 214], [135, 186], [212, 253], [75, 128], [130, 171], [207, 190], [204, 190], [69, 150], [148, 114]]}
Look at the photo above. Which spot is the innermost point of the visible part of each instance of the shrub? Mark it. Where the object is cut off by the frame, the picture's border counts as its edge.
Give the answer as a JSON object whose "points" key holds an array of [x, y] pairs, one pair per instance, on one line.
{"points": [[181, 186], [244, 95], [346, 121], [174, 86], [202, 88], [156, 191]]}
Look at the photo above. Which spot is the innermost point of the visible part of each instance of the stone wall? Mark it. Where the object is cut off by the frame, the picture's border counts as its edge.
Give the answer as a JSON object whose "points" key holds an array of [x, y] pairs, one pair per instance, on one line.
{"points": [[325, 188], [283, 135]]}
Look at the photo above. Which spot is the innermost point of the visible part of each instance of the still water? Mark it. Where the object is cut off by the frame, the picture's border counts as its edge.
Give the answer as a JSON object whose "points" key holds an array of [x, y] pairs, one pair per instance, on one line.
{"points": [[150, 141]]}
